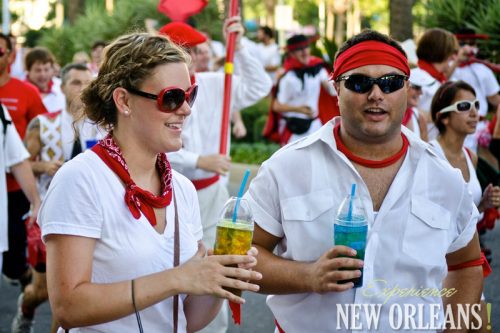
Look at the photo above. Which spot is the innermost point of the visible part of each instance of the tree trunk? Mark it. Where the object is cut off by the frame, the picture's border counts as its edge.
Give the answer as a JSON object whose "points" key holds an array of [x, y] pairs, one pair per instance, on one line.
{"points": [[270, 4], [401, 19], [75, 8]]}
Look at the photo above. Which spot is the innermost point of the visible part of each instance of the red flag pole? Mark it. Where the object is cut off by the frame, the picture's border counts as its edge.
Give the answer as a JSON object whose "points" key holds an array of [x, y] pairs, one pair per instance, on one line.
{"points": [[228, 70]]}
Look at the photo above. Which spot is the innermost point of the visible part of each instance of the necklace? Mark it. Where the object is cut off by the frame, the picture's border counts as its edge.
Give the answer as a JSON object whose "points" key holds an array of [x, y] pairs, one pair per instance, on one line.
{"points": [[365, 162]]}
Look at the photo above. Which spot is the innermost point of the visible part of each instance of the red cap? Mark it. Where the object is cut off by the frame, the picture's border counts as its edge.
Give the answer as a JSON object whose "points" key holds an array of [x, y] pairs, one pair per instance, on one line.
{"points": [[183, 34]]}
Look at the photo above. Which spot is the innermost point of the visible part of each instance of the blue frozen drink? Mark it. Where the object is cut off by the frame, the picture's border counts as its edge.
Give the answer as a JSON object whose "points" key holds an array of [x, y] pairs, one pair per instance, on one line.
{"points": [[352, 233]]}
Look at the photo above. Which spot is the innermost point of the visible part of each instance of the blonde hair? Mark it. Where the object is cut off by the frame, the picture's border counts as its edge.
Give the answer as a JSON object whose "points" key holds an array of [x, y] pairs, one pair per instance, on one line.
{"points": [[128, 62]]}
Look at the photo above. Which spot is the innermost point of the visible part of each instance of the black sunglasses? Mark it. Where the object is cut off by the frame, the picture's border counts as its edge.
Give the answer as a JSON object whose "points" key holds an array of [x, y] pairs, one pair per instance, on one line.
{"points": [[361, 84], [170, 99]]}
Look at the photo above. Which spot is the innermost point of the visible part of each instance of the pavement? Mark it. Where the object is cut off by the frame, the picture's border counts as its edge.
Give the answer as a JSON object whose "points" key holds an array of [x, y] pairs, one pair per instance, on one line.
{"points": [[256, 317]]}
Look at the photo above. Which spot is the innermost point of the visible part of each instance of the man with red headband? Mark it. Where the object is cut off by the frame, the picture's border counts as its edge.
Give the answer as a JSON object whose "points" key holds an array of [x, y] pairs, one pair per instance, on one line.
{"points": [[420, 215], [199, 159], [297, 92]]}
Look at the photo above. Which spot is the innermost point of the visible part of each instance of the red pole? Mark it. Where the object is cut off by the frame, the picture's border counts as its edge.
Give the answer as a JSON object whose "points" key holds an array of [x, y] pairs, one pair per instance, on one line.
{"points": [[228, 70]]}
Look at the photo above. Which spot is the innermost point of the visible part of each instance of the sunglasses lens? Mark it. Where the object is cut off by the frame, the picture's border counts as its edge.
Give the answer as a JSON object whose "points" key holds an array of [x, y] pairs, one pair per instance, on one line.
{"points": [[389, 84], [173, 99], [477, 105], [464, 106], [192, 96], [362, 84], [359, 83]]}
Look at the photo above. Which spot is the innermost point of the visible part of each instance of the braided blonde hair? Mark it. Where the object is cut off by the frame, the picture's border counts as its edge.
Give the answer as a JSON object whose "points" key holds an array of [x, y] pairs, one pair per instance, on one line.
{"points": [[127, 63]]}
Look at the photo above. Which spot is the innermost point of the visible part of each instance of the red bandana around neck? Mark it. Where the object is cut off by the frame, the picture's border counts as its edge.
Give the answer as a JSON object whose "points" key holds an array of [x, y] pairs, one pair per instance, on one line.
{"points": [[41, 91], [137, 199], [429, 68], [365, 162], [407, 116]]}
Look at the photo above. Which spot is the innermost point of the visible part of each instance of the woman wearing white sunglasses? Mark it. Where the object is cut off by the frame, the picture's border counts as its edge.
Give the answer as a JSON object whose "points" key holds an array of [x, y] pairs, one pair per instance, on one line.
{"points": [[455, 112]]}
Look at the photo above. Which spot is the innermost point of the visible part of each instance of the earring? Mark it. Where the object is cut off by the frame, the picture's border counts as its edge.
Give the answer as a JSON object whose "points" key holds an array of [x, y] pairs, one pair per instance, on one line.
{"points": [[125, 111]]}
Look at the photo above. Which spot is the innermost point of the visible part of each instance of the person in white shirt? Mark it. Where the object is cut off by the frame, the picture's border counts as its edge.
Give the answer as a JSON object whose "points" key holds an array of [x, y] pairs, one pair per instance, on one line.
{"points": [[14, 159], [413, 118], [125, 217], [480, 77], [39, 63], [199, 159], [269, 51], [420, 214], [455, 112], [436, 51], [50, 140], [298, 90]]}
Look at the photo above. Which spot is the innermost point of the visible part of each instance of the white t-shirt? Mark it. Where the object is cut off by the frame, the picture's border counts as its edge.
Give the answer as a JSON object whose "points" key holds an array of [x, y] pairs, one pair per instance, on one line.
{"points": [[201, 131], [425, 102], [85, 198], [473, 183], [427, 213], [269, 55], [428, 92], [12, 152], [291, 91], [55, 100]]}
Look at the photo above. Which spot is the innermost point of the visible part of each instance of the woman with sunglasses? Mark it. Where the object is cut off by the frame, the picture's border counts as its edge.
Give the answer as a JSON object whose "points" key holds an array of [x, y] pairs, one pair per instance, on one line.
{"points": [[122, 228], [455, 112]]}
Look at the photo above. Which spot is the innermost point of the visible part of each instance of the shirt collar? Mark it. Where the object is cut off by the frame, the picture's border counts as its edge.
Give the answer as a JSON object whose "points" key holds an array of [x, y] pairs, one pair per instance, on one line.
{"points": [[325, 134]]}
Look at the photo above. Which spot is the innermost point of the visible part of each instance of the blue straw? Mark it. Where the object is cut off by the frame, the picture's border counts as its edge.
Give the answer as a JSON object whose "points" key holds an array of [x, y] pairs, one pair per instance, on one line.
{"points": [[353, 193], [240, 193]]}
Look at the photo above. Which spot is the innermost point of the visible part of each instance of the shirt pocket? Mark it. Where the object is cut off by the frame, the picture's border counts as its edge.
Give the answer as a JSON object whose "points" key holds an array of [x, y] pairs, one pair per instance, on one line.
{"points": [[308, 219], [426, 233], [307, 207]]}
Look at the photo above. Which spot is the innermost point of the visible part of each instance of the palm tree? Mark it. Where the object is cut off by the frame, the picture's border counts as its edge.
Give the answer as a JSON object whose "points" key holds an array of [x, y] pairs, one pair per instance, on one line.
{"points": [[75, 8], [401, 19]]}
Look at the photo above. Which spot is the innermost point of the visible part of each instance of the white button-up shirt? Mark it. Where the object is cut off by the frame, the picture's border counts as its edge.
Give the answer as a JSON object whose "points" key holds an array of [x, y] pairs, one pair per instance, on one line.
{"points": [[427, 213]]}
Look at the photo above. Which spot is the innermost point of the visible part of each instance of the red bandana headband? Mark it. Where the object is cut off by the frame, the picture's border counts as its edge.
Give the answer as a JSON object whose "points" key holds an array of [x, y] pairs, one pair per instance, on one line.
{"points": [[370, 53]]}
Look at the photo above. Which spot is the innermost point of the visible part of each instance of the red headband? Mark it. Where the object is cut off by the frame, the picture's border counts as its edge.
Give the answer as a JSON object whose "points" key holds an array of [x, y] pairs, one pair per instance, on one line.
{"points": [[370, 53], [472, 36]]}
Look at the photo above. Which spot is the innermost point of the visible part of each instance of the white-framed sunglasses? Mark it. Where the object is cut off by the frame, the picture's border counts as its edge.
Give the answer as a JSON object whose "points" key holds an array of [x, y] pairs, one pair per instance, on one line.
{"points": [[461, 106]]}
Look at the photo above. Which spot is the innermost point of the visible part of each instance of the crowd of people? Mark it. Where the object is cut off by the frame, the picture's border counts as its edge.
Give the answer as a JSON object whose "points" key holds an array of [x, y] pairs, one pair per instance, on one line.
{"points": [[120, 172]]}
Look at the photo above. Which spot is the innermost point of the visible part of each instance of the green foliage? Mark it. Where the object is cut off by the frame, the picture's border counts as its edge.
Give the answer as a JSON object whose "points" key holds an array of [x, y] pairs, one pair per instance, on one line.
{"points": [[210, 20], [325, 48], [33, 37], [254, 117], [482, 16], [254, 153], [487, 20], [128, 16], [306, 12], [449, 14], [375, 14]]}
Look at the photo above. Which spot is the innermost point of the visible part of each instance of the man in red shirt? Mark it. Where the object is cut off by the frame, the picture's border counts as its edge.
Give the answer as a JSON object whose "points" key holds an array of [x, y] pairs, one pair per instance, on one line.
{"points": [[23, 103]]}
